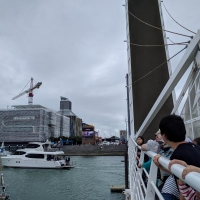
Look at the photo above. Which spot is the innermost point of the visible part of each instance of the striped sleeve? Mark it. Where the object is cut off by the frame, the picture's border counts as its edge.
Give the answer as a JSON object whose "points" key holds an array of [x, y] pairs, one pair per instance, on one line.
{"points": [[187, 192]]}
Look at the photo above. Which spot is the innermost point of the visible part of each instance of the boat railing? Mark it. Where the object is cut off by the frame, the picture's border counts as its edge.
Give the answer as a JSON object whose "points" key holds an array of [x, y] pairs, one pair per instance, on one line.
{"points": [[12, 149], [138, 189]]}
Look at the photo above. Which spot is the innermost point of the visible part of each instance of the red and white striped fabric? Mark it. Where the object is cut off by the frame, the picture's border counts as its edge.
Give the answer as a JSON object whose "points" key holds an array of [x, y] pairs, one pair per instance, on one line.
{"points": [[187, 192]]}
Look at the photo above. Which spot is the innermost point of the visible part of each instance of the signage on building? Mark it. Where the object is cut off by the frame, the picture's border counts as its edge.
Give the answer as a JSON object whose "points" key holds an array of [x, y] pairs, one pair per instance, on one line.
{"points": [[88, 132], [24, 118]]}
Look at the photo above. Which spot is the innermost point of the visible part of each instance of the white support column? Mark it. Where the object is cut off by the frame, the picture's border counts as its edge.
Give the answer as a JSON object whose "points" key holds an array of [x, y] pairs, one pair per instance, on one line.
{"points": [[152, 178], [183, 65], [190, 79]]}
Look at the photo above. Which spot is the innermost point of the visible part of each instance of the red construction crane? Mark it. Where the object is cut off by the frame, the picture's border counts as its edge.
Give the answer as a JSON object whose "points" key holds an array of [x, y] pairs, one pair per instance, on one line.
{"points": [[29, 91]]}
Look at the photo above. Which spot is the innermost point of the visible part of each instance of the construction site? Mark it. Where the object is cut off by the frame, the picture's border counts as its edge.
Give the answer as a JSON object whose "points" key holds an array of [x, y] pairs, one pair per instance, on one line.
{"points": [[25, 123]]}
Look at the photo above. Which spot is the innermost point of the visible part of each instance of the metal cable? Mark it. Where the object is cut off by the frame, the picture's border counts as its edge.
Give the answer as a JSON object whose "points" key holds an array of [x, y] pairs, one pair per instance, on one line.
{"points": [[175, 20], [170, 40], [25, 86], [179, 42], [156, 26], [158, 66], [156, 45]]}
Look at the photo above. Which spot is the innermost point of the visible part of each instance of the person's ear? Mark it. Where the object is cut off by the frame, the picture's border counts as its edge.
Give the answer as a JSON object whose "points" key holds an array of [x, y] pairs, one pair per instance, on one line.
{"points": [[164, 136]]}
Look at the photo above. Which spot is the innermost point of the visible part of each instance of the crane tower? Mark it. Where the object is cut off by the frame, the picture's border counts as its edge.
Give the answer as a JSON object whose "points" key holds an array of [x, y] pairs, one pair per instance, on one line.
{"points": [[29, 91]]}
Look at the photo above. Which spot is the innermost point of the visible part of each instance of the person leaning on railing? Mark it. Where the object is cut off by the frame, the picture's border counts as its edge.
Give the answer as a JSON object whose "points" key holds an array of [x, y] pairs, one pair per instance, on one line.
{"points": [[151, 145], [157, 146], [173, 133], [140, 142], [187, 192]]}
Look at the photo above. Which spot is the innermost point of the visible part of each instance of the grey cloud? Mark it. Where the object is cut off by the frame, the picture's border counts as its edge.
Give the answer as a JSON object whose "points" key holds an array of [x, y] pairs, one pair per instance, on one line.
{"points": [[76, 49]]}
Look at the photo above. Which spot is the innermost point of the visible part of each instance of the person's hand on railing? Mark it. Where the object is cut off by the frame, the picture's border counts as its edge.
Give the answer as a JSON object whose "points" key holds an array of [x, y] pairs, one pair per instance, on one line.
{"points": [[180, 162], [139, 165], [155, 160], [190, 168]]}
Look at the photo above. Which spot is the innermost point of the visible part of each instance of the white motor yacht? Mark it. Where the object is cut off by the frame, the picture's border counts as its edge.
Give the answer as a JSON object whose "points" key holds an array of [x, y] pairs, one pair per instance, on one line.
{"points": [[37, 155]]}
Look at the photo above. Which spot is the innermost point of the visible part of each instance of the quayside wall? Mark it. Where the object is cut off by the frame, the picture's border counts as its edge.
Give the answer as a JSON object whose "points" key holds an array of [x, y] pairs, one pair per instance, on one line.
{"points": [[95, 150], [83, 150]]}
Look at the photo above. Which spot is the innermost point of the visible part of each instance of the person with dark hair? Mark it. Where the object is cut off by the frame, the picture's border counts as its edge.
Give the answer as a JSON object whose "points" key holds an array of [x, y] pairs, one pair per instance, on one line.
{"points": [[196, 141], [173, 132], [140, 142], [173, 127]]}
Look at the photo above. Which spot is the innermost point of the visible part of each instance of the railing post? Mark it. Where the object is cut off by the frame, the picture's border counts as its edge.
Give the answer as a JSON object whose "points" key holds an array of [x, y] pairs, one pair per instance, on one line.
{"points": [[126, 168], [150, 195]]}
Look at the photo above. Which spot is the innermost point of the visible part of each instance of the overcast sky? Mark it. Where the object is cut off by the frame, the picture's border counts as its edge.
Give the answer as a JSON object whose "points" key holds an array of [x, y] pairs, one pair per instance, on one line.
{"points": [[76, 48]]}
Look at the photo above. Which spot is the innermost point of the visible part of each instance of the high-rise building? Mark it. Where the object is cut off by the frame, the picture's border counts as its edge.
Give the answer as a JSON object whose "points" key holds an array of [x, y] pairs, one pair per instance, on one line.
{"points": [[75, 121]]}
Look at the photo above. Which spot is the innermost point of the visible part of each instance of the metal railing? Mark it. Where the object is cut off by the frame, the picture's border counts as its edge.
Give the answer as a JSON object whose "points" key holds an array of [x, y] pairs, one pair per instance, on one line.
{"points": [[138, 190]]}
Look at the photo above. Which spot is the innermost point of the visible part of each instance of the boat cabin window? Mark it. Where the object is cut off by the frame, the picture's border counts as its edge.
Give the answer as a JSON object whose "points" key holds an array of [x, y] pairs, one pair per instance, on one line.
{"points": [[32, 146], [41, 156], [19, 153]]}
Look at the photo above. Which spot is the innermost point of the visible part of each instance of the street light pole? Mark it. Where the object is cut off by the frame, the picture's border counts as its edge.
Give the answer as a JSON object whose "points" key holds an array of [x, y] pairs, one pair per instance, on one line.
{"points": [[128, 110], [128, 134]]}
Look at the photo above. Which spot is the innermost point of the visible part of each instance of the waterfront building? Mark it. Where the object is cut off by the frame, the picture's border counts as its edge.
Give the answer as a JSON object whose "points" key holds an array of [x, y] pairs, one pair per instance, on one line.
{"points": [[75, 121], [89, 135], [28, 123]]}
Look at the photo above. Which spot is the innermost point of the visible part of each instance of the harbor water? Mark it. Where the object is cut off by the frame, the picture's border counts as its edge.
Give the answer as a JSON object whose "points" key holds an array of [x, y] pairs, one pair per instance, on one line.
{"points": [[90, 180]]}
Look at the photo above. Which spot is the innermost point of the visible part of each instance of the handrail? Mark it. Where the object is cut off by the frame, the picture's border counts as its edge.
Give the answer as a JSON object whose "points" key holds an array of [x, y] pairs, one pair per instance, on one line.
{"points": [[192, 178], [135, 175]]}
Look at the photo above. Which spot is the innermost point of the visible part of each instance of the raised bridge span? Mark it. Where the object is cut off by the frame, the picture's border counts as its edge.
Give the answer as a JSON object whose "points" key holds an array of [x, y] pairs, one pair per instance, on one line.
{"points": [[151, 92]]}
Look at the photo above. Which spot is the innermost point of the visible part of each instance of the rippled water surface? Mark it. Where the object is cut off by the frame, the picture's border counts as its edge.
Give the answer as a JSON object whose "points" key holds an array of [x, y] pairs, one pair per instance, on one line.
{"points": [[90, 180]]}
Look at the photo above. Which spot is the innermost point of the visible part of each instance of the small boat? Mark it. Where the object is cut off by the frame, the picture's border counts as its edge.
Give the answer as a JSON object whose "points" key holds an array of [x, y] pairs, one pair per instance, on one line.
{"points": [[3, 195], [38, 155]]}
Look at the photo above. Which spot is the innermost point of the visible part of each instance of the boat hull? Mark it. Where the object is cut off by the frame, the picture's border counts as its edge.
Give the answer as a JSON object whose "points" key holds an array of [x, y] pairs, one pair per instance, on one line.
{"points": [[30, 163]]}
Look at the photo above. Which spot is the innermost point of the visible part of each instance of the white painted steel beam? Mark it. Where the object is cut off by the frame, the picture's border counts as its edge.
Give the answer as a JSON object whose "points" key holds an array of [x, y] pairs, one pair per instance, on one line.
{"points": [[183, 65], [191, 77]]}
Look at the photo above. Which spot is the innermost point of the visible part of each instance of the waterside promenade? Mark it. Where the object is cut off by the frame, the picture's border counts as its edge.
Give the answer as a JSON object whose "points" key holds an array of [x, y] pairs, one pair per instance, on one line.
{"points": [[94, 150]]}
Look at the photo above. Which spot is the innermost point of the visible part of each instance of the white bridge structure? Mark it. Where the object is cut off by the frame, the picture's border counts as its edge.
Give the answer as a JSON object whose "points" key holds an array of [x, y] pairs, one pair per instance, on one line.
{"points": [[190, 113]]}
